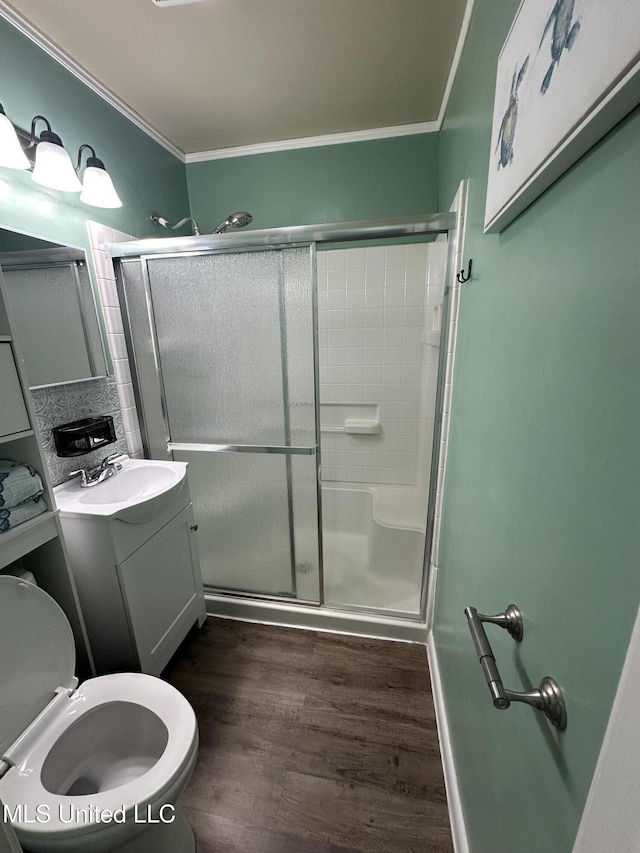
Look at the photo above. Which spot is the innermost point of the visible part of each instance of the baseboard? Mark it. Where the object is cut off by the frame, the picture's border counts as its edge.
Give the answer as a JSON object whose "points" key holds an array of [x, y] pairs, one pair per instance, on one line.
{"points": [[456, 815]]}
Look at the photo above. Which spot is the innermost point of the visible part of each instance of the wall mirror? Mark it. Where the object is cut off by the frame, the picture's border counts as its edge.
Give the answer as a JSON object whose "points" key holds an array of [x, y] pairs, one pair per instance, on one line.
{"points": [[54, 309]]}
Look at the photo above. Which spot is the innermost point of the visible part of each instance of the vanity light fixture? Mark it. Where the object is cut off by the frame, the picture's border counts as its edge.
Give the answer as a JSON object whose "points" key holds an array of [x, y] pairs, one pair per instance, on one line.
{"points": [[11, 154], [52, 167], [97, 186]]}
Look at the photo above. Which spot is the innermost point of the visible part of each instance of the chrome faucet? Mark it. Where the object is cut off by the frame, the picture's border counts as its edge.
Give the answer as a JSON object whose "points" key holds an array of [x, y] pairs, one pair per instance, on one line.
{"points": [[92, 476]]}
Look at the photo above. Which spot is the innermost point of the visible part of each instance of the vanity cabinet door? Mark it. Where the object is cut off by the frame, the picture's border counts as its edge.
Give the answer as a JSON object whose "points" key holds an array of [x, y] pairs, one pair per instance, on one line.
{"points": [[13, 412], [161, 592]]}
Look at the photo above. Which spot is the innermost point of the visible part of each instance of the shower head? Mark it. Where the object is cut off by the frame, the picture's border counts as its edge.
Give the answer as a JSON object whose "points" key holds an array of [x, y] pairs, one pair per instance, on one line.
{"points": [[160, 220], [235, 220]]}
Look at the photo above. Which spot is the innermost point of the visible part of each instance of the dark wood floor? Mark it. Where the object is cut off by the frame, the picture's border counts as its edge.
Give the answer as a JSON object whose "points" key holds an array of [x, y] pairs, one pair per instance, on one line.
{"points": [[311, 743]]}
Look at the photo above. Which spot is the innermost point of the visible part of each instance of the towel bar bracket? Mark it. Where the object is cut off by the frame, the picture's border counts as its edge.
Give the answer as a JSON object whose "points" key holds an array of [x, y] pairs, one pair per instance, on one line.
{"points": [[510, 620], [547, 698]]}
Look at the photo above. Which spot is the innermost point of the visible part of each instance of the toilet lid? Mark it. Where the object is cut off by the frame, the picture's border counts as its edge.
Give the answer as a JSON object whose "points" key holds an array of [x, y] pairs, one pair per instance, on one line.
{"points": [[37, 654]]}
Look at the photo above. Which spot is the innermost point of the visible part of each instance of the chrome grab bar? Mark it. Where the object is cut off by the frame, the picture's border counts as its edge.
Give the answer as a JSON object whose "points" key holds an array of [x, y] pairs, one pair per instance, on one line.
{"points": [[548, 698]]}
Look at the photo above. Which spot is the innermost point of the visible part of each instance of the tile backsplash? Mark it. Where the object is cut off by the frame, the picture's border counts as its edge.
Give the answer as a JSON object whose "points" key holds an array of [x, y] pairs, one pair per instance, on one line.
{"points": [[61, 404]]}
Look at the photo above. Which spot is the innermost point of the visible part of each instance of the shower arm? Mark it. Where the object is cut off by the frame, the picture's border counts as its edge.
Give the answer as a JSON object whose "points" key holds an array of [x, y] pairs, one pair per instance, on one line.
{"points": [[196, 229], [160, 220]]}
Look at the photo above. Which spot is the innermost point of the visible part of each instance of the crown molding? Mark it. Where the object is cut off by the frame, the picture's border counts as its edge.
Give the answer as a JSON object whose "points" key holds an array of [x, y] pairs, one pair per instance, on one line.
{"points": [[62, 58], [313, 141]]}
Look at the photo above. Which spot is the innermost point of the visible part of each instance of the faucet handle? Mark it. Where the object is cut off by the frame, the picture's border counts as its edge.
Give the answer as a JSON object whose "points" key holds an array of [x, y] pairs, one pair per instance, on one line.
{"points": [[110, 460], [81, 472]]}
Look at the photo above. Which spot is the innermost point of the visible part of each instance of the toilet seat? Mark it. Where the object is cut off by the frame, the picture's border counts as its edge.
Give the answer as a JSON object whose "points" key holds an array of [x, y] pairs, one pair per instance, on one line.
{"points": [[23, 784], [22, 789]]}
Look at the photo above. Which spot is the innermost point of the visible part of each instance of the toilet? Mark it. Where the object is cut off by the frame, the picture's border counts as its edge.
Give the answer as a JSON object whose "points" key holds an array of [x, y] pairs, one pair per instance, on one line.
{"points": [[98, 767]]}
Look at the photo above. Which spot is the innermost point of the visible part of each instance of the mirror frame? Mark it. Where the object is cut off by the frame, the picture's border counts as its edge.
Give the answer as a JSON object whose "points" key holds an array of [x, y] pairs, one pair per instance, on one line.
{"points": [[63, 253]]}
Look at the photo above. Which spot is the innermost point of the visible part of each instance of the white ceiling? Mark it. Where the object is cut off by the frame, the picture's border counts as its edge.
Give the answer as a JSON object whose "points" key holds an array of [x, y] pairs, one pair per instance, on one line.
{"points": [[223, 73]]}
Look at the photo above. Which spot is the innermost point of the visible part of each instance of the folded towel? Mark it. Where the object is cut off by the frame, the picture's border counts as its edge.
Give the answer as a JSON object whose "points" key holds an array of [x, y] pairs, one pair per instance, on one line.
{"points": [[19, 514], [19, 482]]}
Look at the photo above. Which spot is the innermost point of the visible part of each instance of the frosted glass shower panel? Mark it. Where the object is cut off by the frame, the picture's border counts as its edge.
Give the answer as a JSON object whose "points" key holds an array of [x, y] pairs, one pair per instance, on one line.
{"points": [[220, 324], [240, 504], [298, 337], [305, 555], [224, 347], [133, 294]]}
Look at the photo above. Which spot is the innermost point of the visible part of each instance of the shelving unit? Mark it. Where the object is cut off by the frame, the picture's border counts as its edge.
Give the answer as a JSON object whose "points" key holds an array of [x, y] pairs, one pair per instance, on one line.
{"points": [[24, 434], [38, 543]]}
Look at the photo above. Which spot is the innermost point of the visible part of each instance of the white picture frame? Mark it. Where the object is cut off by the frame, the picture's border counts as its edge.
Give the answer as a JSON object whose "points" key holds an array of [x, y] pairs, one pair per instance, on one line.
{"points": [[569, 70]]}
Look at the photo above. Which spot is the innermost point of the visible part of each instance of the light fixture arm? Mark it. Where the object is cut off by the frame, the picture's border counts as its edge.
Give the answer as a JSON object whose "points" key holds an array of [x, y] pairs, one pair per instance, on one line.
{"points": [[46, 136], [33, 126], [29, 139], [93, 155], [93, 161]]}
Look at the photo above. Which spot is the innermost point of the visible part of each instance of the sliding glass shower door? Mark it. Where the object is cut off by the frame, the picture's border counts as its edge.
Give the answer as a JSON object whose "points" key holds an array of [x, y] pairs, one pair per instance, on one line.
{"points": [[224, 350]]}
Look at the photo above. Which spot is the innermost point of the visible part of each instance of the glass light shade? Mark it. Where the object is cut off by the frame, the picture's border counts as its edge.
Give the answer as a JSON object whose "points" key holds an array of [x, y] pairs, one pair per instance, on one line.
{"points": [[54, 168], [98, 189], [11, 154]]}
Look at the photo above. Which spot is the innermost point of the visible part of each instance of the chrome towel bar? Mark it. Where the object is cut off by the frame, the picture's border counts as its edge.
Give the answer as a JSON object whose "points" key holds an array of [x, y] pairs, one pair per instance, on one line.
{"points": [[285, 450], [547, 698]]}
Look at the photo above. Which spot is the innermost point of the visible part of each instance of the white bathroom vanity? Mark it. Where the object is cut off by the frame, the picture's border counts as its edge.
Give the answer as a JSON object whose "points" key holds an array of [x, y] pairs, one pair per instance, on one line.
{"points": [[133, 555]]}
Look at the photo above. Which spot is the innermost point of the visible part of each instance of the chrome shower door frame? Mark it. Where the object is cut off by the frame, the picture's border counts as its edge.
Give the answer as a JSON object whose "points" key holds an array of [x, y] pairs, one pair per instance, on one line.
{"points": [[286, 449], [398, 229]]}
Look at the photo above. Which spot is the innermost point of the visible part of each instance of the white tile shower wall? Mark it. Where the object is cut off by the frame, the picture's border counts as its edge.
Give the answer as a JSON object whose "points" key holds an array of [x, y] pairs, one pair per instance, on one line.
{"points": [[373, 307], [100, 236]]}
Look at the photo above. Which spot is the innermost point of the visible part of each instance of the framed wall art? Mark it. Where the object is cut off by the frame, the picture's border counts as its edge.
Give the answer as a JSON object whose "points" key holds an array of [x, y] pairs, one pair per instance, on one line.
{"points": [[569, 70]]}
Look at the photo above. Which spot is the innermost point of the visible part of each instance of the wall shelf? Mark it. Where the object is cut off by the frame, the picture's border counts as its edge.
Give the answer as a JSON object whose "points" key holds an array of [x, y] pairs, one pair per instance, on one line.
{"points": [[24, 538], [16, 435]]}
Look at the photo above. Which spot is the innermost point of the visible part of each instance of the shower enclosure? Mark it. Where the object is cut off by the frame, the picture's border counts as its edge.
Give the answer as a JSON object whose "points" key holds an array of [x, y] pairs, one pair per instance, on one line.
{"points": [[257, 355]]}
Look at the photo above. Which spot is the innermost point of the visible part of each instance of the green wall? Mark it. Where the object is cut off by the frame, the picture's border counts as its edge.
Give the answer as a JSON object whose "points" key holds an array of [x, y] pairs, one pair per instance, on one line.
{"points": [[334, 183], [146, 175], [542, 496]]}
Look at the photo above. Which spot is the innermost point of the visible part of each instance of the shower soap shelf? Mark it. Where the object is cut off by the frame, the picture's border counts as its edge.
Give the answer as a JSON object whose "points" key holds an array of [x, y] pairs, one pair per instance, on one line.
{"points": [[363, 427], [355, 427], [352, 417]]}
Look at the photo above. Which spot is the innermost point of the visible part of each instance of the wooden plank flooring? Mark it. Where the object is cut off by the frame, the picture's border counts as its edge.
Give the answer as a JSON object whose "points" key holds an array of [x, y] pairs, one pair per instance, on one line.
{"points": [[310, 743]]}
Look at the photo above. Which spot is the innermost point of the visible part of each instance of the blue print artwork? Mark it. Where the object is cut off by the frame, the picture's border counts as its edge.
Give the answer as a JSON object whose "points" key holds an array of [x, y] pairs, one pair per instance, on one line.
{"points": [[508, 126], [564, 33]]}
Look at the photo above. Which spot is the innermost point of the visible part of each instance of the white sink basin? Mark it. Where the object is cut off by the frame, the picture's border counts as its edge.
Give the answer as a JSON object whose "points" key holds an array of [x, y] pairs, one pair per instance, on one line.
{"points": [[134, 495]]}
